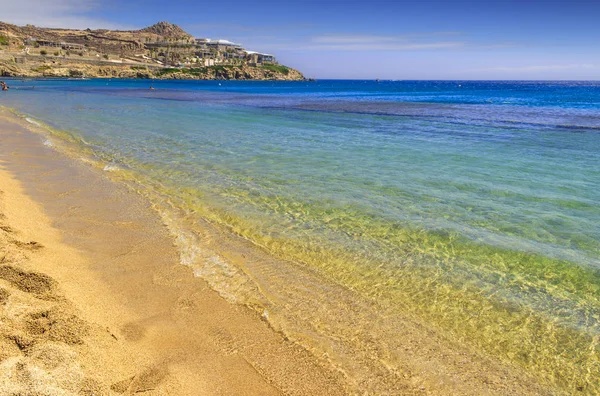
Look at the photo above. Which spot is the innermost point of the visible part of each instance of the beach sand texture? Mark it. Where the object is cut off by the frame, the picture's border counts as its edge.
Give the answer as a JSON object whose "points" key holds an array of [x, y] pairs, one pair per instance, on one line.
{"points": [[94, 300], [46, 346], [118, 314]]}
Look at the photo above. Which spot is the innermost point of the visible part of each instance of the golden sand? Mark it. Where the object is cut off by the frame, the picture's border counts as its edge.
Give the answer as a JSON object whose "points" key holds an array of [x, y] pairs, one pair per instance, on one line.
{"points": [[93, 299]]}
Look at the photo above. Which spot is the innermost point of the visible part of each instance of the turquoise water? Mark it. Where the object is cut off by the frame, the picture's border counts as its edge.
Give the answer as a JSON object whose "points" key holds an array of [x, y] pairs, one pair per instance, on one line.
{"points": [[475, 206]]}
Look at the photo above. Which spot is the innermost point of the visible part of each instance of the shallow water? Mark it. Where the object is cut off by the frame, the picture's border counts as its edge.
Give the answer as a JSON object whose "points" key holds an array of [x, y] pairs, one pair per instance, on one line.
{"points": [[473, 207]]}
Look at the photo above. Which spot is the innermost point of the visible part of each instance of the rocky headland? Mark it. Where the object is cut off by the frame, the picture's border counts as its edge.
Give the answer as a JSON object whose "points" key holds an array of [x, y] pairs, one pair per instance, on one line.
{"points": [[161, 51]]}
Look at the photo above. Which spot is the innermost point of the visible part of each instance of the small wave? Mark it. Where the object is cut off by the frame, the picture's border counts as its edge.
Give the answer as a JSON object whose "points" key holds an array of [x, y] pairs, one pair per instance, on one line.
{"points": [[111, 168], [48, 143], [224, 277], [34, 122]]}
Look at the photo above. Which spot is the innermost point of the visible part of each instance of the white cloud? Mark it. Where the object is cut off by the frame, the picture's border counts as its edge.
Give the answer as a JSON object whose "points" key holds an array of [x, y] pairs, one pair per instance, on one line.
{"points": [[372, 39], [75, 14], [366, 39], [391, 46], [407, 42], [540, 68]]}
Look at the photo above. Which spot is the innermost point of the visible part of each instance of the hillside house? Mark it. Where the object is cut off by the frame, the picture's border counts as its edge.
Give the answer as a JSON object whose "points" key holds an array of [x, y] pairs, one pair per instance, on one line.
{"points": [[42, 43], [201, 41], [223, 45], [54, 44], [258, 58], [72, 46]]}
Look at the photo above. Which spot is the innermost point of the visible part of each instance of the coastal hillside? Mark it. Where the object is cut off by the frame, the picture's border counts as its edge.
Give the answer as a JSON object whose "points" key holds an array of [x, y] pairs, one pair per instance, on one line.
{"points": [[163, 51]]}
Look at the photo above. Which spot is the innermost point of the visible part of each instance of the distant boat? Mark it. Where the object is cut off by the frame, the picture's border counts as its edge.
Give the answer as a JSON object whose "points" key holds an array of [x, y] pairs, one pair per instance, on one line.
{"points": [[376, 80]]}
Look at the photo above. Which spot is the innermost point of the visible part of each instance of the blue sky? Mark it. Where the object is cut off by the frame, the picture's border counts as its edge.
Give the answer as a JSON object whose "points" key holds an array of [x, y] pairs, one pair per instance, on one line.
{"points": [[429, 39]]}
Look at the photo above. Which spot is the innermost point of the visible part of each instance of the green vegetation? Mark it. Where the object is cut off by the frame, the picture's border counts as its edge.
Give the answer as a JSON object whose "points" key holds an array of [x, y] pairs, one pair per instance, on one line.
{"points": [[277, 68], [56, 53], [43, 52], [42, 68], [195, 71], [199, 71], [139, 68], [220, 68], [192, 71], [4, 40], [105, 56]]}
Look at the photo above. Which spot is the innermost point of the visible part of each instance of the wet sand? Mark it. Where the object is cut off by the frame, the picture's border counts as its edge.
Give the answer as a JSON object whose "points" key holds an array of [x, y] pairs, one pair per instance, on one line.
{"points": [[93, 299]]}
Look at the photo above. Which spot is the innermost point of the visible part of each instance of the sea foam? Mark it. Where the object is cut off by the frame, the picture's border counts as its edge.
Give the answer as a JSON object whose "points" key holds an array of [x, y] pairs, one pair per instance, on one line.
{"points": [[110, 168], [34, 122]]}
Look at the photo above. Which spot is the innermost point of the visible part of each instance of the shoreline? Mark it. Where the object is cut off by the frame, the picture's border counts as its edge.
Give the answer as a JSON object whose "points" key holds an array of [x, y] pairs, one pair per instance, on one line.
{"points": [[154, 325], [86, 207]]}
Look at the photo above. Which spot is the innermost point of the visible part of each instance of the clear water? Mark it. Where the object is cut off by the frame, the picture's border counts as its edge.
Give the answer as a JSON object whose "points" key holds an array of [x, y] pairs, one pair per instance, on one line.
{"points": [[475, 206]]}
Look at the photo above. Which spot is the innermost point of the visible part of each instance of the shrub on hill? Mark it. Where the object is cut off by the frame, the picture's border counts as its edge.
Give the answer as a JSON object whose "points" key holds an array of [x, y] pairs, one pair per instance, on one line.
{"points": [[277, 68]]}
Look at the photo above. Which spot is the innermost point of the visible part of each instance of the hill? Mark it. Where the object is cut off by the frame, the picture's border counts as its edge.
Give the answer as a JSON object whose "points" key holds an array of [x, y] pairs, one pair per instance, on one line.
{"points": [[168, 30], [162, 50]]}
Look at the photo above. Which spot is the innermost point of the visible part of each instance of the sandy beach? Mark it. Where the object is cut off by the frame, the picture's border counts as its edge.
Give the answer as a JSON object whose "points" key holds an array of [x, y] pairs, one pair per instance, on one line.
{"points": [[300, 199], [93, 299]]}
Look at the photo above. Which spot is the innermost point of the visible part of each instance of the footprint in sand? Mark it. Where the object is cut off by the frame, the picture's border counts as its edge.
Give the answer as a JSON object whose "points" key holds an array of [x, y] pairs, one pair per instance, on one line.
{"points": [[145, 381], [30, 282], [4, 294], [133, 332]]}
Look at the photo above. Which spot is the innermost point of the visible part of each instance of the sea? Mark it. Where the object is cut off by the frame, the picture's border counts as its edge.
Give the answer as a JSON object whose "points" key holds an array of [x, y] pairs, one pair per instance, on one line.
{"points": [[341, 210]]}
